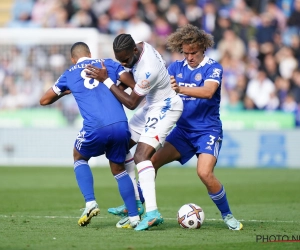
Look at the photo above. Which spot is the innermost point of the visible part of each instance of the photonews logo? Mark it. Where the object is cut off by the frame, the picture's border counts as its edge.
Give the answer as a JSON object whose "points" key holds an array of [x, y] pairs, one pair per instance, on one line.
{"points": [[277, 238]]}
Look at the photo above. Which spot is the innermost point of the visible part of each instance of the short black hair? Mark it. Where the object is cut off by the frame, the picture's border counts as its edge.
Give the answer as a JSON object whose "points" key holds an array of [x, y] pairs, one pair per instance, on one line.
{"points": [[123, 42], [80, 49]]}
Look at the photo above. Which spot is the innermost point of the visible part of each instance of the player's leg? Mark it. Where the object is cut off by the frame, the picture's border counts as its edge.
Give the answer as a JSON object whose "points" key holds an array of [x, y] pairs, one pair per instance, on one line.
{"points": [[146, 174], [161, 157], [164, 155], [126, 191], [160, 121], [205, 170], [136, 125], [122, 210], [177, 144], [85, 183], [130, 168], [116, 153]]}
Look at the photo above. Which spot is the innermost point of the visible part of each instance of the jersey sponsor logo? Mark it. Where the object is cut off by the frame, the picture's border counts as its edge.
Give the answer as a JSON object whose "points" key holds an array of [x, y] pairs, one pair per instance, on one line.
{"points": [[216, 73], [183, 97], [187, 98], [187, 84], [145, 84], [148, 74], [179, 75], [198, 77]]}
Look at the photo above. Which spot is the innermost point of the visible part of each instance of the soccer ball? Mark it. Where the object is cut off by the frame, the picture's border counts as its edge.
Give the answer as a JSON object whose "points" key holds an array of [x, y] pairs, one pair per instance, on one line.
{"points": [[190, 216]]}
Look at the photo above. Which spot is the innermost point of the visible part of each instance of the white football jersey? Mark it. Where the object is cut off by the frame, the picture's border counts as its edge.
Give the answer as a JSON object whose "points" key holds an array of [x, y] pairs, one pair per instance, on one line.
{"points": [[151, 77]]}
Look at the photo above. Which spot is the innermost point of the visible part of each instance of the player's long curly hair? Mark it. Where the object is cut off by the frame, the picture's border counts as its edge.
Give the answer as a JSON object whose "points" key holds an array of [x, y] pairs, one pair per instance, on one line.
{"points": [[189, 34]]}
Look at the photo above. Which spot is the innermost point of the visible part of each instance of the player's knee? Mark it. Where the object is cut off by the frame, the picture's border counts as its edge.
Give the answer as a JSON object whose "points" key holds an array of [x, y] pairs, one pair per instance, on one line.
{"points": [[116, 168], [151, 141], [139, 157], [77, 156], [205, 175], [155, 162]]}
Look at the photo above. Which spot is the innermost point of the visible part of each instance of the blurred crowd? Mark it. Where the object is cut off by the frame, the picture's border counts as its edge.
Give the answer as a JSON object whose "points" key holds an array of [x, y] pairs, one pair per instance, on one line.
{"points": [[256, 41]]}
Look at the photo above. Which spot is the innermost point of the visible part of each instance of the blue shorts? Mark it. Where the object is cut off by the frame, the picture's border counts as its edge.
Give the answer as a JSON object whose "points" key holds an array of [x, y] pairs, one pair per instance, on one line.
{"points": [[189, 143], [112, 140]]}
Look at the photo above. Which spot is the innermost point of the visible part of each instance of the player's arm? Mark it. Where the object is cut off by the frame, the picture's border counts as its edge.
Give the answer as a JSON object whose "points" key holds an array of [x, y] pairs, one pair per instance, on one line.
{"points": [[132, 100], [122, 86], [127, 80], [57, 91], [207, 91], [50, 96], [101, 75]]}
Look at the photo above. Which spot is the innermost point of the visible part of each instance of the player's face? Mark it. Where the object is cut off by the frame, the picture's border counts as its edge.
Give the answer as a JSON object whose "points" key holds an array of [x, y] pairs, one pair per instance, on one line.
{"points": [[127, 57], [193, 54]]}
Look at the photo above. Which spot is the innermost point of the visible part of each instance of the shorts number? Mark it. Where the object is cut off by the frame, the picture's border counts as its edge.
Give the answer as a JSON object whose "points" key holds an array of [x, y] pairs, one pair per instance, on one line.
{"points": [[151, 122], [212, 140], [87, 80]]}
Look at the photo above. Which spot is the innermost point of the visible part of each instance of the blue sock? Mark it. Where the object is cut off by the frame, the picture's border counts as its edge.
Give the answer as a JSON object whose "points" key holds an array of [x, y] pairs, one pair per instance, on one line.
{"points": [[221, 202], [126, 190], [142, 199], [84, 179]]}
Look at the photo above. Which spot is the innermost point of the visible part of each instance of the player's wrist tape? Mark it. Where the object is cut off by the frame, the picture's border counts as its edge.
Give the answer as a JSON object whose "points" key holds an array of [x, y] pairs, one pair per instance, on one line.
{"points": [[108, 82]]}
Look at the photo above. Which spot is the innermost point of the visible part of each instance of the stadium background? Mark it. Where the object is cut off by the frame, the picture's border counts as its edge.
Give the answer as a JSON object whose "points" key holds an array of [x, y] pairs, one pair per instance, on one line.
{"points": [[254, 40]]}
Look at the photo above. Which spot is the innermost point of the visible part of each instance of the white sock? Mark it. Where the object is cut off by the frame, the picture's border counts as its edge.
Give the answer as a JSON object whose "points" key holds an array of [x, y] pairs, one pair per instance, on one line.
{"points": [[90, 203], [134, 218], [147, 183], [130, 168]]}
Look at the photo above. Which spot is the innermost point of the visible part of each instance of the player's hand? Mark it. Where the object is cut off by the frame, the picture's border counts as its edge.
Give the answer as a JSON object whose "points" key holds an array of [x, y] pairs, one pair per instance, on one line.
{"points": [[96, 73], [174, 84]]}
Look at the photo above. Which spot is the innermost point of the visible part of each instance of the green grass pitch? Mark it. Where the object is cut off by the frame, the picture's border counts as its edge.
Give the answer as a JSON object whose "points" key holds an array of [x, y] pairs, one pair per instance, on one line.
{"points": [[39, 209]]}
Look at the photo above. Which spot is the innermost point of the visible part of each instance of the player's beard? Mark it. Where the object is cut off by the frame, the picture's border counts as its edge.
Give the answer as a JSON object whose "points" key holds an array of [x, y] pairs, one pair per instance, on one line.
{"points": [[133, 62]]}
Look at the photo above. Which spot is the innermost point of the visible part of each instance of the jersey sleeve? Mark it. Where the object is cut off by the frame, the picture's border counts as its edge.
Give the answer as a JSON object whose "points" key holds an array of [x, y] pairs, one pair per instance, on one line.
{"points": [[60, 85], [172, 70], [214, 73], [114, 70]]}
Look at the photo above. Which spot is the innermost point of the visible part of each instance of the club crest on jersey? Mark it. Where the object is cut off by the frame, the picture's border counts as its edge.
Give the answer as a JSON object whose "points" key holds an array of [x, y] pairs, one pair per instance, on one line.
{"points": [[198, 77], [145, 84], [148, 74]]}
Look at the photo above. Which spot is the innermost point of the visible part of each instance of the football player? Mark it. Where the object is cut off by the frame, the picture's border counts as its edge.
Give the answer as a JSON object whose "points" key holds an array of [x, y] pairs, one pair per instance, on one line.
{"points": [[151, 123], [197, 79], [105, 128]]}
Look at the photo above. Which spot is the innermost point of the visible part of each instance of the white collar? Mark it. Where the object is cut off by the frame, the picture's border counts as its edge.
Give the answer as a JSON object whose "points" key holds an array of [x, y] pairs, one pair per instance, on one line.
{"points": [[81, 59], [201, 64]]}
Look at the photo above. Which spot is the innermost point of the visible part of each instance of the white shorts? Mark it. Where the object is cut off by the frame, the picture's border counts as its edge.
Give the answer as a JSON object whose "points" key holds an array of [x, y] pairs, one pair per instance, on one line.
{"points": [[152, 125]]}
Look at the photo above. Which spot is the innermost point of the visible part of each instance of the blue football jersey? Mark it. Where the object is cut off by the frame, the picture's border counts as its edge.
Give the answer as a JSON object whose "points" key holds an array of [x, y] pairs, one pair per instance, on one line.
{"points": [[198, 114], [97, 105]]}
